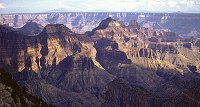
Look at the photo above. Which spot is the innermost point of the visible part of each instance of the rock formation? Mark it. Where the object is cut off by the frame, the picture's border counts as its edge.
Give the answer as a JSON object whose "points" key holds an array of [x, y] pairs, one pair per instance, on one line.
{"points": [[31, 29], [119, 94], [86, 21], [129, 63], [13, 95], [56, 57]]}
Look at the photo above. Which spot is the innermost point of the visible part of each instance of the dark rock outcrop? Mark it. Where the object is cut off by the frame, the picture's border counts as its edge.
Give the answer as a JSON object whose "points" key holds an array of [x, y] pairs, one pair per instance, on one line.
{"points": [[13, 95], [119, 94], [31, 29]]}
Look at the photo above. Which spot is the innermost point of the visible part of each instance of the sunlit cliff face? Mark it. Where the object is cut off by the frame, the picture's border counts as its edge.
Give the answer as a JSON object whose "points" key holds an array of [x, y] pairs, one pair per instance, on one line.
{"points": [[65, 68]]}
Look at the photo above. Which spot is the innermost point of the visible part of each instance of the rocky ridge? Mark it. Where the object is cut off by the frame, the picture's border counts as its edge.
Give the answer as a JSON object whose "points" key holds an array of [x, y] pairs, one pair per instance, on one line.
{"points": [[69, 69], [13, 95], [181, 23], [31, 29]]}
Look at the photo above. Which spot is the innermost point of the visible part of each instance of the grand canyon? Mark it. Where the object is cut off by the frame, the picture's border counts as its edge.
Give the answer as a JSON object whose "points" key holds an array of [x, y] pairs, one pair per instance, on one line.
{"points": [[100, 59]]}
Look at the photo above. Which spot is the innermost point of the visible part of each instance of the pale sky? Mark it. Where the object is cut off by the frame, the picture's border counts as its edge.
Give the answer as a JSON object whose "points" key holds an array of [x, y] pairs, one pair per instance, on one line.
{"points": [[32, 6]]}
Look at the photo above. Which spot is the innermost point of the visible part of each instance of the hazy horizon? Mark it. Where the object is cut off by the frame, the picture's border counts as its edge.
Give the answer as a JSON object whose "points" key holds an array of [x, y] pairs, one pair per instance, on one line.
{"points": [[158, 6]]}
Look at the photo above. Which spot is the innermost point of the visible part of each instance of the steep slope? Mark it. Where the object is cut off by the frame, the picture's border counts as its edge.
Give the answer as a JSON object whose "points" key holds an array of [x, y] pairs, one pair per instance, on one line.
{"points": [[31, 29], [56, 58], [13, 95], [69, 69], [119, 93], [127, 53]]}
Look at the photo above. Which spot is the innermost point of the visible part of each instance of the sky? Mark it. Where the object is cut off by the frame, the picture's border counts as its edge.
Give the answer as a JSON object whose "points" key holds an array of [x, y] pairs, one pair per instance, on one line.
{"points": [[36, 6]]}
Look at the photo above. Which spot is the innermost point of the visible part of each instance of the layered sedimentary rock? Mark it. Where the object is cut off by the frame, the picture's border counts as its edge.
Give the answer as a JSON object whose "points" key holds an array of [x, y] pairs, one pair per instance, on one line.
{"points": [[56, 57], [80, 22], [69, 69], [141, 62], [137, 42]]}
